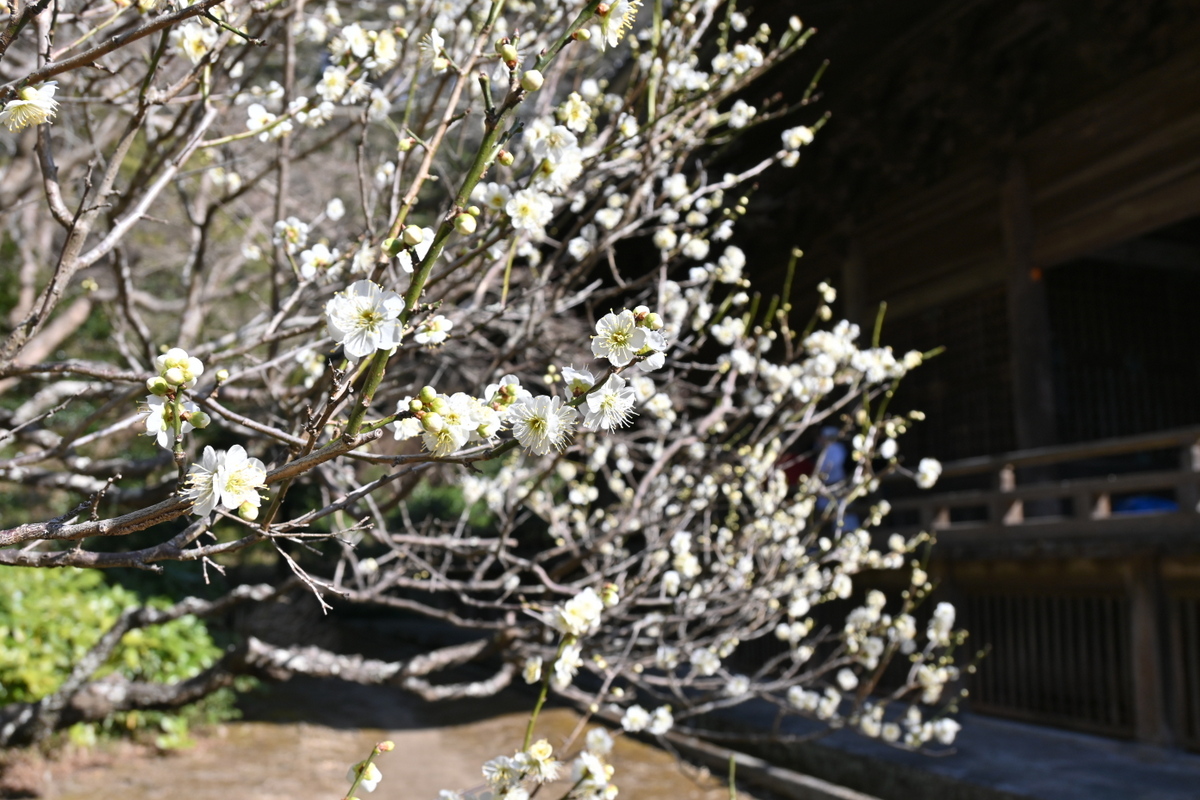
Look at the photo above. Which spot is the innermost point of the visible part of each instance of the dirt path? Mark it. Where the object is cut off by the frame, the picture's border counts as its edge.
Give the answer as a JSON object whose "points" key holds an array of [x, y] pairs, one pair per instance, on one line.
{"points": [[299, 740]]}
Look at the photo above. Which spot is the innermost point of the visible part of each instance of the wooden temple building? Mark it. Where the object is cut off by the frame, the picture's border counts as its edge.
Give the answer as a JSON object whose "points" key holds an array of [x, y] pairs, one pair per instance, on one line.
{"points": [[1019, 180]]}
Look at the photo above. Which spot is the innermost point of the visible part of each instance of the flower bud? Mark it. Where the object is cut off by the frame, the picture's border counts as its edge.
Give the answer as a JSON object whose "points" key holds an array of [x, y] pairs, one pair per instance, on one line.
{"points": [[415, 405], [464, 224], [505, 158], [433, 422], [199, 419], [175, 357], [440, 64], [509, 53], [532, 80], [175, 376], [654, 321], [222, 375], [157, 386], [474, 211], [413, 236], [582, 35], [427, 394], [393, 246], [386, 746], [248, 511], [405, 144], [438, 405]]}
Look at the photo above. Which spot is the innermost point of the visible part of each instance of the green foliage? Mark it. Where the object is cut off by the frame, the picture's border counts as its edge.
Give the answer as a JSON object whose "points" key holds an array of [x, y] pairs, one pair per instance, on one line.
{"points": [[50, 618]]}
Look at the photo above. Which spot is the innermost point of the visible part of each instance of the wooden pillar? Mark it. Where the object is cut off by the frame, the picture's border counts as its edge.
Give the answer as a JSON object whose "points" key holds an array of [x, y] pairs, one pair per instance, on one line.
{"points": [[1028, 319], [1149, 707]]}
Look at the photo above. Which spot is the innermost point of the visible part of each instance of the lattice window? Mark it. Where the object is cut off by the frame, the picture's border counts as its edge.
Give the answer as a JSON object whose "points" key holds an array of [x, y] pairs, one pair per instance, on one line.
{"points": [[966, 392], [1126, 348], [1057, 659]]}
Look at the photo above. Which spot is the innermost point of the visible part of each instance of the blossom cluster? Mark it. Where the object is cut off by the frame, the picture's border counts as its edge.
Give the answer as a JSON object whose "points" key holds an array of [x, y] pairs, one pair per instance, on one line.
{"points": [[541, 424], [228, 478], [168, 415]]}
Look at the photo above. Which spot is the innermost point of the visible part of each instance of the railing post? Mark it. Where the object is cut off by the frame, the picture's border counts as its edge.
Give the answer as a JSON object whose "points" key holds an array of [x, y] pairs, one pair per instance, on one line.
{"points": [[1189, 462], [1149, 709], [935, 516], [1011, 511]]}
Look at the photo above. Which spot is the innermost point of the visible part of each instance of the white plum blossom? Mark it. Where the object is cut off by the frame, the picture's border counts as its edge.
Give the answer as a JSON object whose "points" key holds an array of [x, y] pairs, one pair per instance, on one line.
{"points": [[599, 741], [578, 381], [705, 661], [333, 84], [492, 195], [504, 393], [610, 406], [434, 330], [555, 143], [619, 19], [730, 265], [317, 261], [365, 318], [580, 615], [795, 138], [618, 338], [371, 776], [291, 234], [945, 730], [928, 472], [741, 114], [353, 39], [530, 210], [665, 239], [729, 330], [226, 477], [532, 671], [567, 666], [635, 719], [32, 106], [160, 420], [259, 119], [542, 424], [575, 113], [194, 40], [941, 623], [455, 422], [661, 721]]}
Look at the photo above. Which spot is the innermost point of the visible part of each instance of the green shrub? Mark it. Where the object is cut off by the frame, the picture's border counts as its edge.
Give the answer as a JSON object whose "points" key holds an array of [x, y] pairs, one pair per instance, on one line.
{"points": [[50, 618]]}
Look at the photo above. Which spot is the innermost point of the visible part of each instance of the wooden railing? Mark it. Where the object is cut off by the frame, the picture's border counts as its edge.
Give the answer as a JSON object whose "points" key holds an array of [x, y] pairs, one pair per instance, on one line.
{"points": [[1076, 566], [1025, 490]]}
